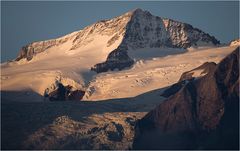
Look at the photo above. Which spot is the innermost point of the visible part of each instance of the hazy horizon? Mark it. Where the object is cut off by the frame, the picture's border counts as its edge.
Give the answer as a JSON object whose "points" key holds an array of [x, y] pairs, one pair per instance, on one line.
{"points": [[26, 22]]}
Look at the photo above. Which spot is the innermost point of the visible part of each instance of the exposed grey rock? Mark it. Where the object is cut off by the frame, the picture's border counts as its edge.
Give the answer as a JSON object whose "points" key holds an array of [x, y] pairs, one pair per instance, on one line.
{"points": [[183, 35], [145, 29]]}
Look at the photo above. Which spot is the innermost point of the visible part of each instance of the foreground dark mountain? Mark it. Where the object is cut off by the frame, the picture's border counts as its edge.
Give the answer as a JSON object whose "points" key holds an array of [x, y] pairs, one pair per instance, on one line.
{"points": [[203, 114]]}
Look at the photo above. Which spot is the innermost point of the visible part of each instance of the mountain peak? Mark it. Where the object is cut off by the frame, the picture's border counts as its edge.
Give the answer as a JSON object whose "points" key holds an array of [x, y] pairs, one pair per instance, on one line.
{"points": [[139, 11], [133, 30]]}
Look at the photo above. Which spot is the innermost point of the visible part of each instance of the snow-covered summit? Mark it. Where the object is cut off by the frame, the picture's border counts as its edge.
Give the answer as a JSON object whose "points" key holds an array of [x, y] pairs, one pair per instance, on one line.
{"points": [[134, 29], [145, 30]]}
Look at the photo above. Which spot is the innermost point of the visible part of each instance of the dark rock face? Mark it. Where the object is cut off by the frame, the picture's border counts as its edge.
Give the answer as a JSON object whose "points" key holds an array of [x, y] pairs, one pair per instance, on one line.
{"points": [[25, 52], [64, 93], [75, 95], [207, 68], [58, 94], [203, 114], [117, 59]]}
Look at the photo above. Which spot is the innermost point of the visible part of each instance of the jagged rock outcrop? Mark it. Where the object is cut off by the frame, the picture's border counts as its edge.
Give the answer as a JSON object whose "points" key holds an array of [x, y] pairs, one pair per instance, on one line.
{"points": [[59, 92], [32, 49], [117, 59], [204, 114], [188, 76]]}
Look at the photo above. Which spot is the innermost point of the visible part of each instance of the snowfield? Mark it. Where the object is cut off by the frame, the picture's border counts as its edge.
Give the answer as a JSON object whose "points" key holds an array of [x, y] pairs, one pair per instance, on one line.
{"points": [[148, 73]]}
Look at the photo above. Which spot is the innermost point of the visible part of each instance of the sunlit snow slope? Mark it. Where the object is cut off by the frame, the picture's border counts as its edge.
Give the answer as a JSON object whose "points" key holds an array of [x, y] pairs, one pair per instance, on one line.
{"points": [[158, 48]]}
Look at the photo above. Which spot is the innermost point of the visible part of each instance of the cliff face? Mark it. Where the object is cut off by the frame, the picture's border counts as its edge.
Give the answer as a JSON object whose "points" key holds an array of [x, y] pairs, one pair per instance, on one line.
{"points": [[203, 114], [145, 30]]}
